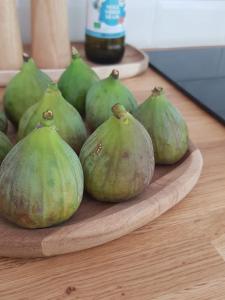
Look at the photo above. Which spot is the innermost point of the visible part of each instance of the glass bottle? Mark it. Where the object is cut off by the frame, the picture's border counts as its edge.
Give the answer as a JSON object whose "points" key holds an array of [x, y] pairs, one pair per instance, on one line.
{"points": [[105, 32]]}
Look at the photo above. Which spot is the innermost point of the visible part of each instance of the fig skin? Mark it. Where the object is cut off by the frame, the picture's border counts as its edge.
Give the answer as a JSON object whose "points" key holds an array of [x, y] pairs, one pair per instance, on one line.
{"points": [[25, 89], [67, 120], [3, 122], [76, 80], [118, 158], [5, 146], [103, 95], [41, 179], [166, 127]]}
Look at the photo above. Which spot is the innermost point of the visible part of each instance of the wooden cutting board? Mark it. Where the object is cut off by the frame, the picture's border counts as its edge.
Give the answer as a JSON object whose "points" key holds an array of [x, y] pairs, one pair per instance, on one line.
{"points": [[96, 223], [133, 63]]}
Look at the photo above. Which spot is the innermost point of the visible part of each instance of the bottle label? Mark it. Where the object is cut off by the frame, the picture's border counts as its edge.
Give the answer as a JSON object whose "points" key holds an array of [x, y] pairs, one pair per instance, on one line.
{"points": [[106, 18]]}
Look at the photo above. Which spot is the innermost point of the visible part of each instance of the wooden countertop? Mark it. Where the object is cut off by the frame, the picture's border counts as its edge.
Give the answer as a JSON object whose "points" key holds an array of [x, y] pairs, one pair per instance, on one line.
{"points": [[180, 256]]}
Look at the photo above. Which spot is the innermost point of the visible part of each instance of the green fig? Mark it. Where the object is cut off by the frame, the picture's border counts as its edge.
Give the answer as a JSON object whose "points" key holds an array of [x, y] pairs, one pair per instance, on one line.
{"points": [[67, 120], [166, 127], [5, 146], [25, 89], [3, 122], [41, 179], [118, 158], [76, 81], [103, 95]]}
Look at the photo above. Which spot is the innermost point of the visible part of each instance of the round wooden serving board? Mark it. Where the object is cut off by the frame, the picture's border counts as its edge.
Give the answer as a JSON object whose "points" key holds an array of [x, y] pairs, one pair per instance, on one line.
{"points": [[133, 63], [96, 223]]}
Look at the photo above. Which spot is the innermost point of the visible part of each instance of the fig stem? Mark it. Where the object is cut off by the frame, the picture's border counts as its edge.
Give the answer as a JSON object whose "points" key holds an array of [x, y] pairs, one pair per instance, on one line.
{"points": [[115, 74], [157, 91], [52, 86], [119, 111], [26, 57], [75, 53], [48, 115]]}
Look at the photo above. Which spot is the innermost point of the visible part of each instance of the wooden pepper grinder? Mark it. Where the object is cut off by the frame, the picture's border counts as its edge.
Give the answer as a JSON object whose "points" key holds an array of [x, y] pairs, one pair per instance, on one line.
{"points": [[50, 34], [11, 50]]}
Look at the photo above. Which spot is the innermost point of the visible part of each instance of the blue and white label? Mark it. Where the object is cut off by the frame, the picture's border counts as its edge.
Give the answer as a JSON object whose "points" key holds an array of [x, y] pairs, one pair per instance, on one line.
{"points": [[106, 18]]}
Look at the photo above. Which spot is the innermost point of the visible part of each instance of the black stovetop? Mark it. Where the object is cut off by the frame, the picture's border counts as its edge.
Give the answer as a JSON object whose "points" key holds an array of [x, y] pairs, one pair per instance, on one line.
{"points": [[200, 73]]}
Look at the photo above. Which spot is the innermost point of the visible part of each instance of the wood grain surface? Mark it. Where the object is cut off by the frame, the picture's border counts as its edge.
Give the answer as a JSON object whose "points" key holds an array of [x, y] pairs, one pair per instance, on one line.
{"points": [[96, 223], [179, 256], [11, 43], [50, 33]]}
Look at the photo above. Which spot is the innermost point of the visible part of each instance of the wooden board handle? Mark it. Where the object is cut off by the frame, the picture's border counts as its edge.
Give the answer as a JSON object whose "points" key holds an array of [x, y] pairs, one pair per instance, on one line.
{"points": [[50, 34], [11, 45]]}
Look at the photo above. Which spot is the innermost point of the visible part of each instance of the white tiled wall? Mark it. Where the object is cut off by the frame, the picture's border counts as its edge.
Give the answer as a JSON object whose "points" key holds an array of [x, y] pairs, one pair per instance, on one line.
{"points": [[153, 23]]}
